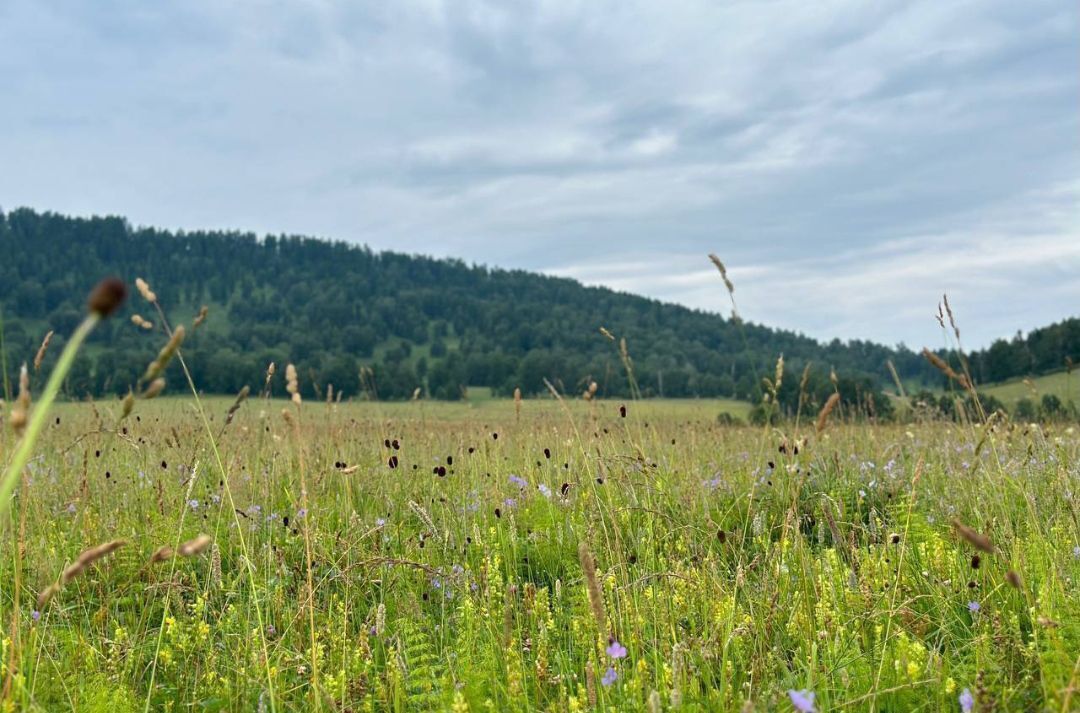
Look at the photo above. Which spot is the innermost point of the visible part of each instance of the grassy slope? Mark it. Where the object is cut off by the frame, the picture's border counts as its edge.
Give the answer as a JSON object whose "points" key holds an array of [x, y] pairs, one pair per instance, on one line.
{"points": [[1059, 383]]}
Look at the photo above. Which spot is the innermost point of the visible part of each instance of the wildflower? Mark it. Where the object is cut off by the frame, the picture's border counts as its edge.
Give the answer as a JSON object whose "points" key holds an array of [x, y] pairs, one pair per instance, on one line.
{"points": [[616, 650], [609, 677], [973, 607], [967, 701], [379, 522], [301, 513], [544, 490], [71, 509], [35, 615], [518, 481], [802, 700], [193, 504], [1076, 552]]}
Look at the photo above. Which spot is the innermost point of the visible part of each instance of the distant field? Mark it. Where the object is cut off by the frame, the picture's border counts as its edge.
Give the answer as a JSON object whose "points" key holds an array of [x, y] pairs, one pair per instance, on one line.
{"points": [[480, 404], [1059, 384]]}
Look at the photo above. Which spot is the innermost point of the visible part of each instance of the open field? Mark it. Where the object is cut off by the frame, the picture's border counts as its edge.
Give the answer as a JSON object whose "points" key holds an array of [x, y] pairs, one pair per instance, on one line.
{"points": [[730, 571], [1060, 384]]}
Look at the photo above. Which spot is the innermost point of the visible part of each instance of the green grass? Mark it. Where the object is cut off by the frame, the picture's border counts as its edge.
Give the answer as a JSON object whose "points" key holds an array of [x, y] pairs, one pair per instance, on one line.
{"points": [[728, 582], [1060, 384]]}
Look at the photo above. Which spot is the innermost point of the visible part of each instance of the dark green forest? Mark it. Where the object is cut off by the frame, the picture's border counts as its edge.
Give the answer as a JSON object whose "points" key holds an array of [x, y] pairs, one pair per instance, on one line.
{"points": [[382, 324]]}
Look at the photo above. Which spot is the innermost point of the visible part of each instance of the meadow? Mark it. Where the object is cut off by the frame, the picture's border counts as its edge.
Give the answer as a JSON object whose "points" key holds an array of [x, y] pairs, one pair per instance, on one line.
{"points": [[537, 555]]}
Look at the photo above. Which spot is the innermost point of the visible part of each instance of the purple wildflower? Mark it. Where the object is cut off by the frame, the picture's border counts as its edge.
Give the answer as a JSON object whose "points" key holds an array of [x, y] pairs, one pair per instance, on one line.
{"points": [[193, 504], [616, 650], [974, 607], [301, 513], [544, 490], [967, 701], [609, 677], [35, 615], [518, 481], [380, 522], [802, 700]]}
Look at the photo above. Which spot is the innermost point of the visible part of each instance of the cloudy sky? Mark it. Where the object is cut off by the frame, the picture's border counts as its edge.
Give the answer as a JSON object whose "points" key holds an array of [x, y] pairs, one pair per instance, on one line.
{"points": [[849, 160]]}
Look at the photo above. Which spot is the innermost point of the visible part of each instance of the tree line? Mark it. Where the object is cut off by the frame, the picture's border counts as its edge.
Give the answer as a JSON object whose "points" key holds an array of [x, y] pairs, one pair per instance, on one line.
{"points": [[384, 324]]}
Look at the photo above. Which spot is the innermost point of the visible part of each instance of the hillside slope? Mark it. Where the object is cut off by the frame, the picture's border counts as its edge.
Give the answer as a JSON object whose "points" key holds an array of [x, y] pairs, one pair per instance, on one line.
{"points": [[415, 321]]}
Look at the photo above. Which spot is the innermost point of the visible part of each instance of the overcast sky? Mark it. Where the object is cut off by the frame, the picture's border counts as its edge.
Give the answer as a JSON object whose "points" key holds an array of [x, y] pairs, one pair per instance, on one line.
{"points": [[849, 160]]}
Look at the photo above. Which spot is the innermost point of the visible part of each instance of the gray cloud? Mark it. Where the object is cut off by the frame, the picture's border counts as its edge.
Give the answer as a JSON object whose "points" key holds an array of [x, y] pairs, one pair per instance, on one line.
{"points": [[849, 161]]}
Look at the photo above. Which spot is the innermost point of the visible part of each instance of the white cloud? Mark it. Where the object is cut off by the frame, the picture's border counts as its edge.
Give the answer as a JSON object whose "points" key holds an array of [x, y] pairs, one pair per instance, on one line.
{"points": [[820, 147]]}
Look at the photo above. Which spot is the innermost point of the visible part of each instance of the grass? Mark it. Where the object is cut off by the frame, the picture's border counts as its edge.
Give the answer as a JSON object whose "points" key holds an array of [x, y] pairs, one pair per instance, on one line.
{"points": [[1060, 384], [731, 568]]}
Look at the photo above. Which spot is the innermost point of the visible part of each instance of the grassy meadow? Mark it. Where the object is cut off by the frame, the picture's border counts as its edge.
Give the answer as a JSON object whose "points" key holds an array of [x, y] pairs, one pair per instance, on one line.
{"points": [[538, 556], [1064, 385]]}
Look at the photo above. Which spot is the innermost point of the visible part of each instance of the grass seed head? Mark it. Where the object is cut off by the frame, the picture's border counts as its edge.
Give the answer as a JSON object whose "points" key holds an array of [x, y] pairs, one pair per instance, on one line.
{"points": [[976, 539], [106, 297], [145, 291], [40, 356]]}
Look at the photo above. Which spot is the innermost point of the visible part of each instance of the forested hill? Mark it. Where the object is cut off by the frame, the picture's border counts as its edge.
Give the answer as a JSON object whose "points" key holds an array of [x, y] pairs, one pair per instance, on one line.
{"points": [[441, 325]]}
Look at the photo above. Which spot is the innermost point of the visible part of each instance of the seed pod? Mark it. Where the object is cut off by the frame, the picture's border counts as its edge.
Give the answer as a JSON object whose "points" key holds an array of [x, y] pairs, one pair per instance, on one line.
{"points": [[106, 297]]}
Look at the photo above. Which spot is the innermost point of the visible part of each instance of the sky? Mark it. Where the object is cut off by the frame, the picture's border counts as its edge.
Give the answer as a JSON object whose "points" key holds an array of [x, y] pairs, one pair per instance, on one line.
{"points": [[849, 161]]}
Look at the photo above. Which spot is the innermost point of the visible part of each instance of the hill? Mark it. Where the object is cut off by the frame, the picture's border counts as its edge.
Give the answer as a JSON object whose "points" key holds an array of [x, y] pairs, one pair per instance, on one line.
{"points": [[1062, 384], [409, 321]]}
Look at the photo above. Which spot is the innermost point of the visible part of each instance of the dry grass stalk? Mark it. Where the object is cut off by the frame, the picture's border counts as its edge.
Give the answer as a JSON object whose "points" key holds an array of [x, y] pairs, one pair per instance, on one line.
{"points": [[186, 549], [80, 565], [606, 333], [165, 355], [977, 540], [590, 684], [823, 415], [269, 376], [200, 317], [40, 356], [141, 323], [941, 365], [194, 546], [128, 406], [896, 378], [517, 403], [154, 389], [592, 585], [21, 411], [952, 319], [291, 384], [240, 399], [723, 273]]}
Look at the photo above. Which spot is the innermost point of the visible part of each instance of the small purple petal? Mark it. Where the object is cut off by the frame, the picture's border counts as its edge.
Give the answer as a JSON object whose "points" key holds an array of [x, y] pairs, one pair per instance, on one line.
{"points": [[616, 650], [802, 700]]}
